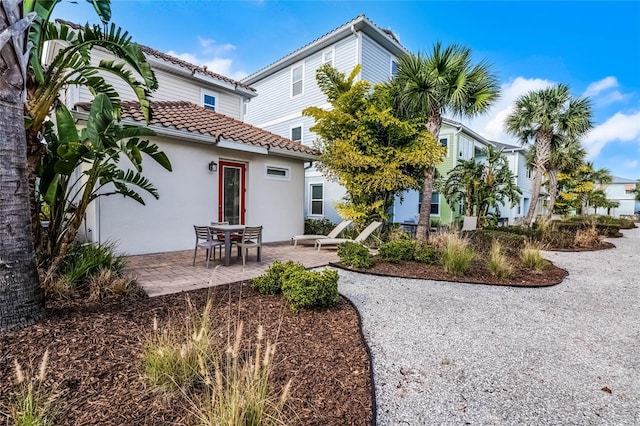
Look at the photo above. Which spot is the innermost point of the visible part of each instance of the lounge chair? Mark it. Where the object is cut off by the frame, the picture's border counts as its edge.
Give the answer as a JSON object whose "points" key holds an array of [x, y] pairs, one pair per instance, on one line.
{"points": [[359, 239], [333, 234]]}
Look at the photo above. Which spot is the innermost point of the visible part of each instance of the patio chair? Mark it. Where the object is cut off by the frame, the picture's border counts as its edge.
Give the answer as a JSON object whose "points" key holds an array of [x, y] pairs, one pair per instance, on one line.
{"points": [[359, 239], [333, 234], [206, 240], [250, 238]]}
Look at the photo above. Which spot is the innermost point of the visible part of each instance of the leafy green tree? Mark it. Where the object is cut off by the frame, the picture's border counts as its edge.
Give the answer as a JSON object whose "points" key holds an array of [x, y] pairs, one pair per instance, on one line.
{"points": [[443, 82], [580, 185], [365, 148], [98, 149], [598, 199], [481, 186], [542, 116], [72, 65]]}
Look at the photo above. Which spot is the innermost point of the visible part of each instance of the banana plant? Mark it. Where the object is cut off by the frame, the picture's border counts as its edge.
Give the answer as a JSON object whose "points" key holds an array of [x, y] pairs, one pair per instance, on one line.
{"points": [[81, 166]]}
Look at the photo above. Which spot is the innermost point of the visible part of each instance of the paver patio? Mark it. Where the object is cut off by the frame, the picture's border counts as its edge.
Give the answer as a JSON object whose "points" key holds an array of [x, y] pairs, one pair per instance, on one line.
{"points": [[173, 272]]}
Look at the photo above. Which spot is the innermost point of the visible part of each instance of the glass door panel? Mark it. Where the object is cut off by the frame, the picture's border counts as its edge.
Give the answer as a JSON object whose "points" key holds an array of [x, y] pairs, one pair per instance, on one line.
{"points": [[232, 193]]}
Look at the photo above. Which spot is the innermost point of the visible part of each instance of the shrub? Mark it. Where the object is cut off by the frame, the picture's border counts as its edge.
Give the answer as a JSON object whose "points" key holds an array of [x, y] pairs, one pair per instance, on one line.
{"points": [[425, 254], [398, 251], [482, 240], [87, 259], [532, 259], [271, 281], [310, 289], [355, 255], [588, 237], [318, 226], [456, 256], [499, 264], [108, 284]]}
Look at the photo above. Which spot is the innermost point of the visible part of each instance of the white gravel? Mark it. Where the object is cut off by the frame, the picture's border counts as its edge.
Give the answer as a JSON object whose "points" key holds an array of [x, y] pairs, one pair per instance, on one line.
{"points": [[450, 353]]}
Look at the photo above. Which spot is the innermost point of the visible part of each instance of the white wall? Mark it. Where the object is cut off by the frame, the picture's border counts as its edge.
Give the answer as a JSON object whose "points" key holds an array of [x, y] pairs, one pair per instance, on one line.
{"points": [[189, 196]]}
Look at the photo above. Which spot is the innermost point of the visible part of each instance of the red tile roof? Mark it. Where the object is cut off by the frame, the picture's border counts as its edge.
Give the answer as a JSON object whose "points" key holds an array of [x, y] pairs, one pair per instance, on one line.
{"points": [[192, 118], [176, 61]]}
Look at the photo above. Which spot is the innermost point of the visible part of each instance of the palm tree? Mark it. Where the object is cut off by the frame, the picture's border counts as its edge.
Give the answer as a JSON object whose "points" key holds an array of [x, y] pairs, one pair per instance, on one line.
{"points": [[540, 116], [444, 82], [21, 301]]}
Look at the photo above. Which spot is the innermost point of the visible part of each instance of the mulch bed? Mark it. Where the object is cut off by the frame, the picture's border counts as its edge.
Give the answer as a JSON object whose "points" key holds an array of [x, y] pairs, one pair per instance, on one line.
{"points": [[95, 352], [602, 245], [478, 274]]}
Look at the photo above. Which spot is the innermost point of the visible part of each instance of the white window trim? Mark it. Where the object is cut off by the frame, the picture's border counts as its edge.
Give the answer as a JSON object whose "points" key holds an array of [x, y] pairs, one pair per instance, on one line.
{"points": [[311, 199], [391, 61], [448, 138], [210, 93], [439, 204], [293, 126], [300, 65], [332, 49], [286, 169]]}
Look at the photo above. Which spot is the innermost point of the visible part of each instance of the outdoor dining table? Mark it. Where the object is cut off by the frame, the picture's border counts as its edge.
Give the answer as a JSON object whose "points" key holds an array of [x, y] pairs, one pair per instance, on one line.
{"points": [[227, 230]]}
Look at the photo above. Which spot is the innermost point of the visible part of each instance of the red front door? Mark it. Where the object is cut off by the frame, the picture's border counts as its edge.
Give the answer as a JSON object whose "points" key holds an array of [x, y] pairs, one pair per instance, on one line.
{"points": [[231, 192]]}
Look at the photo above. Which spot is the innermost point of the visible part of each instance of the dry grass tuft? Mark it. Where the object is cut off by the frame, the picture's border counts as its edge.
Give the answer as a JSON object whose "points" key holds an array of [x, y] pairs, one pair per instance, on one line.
{"points": [[456, 254], [532, 259], [33, 404], [588, 237], [499, 264], [108, 283]]}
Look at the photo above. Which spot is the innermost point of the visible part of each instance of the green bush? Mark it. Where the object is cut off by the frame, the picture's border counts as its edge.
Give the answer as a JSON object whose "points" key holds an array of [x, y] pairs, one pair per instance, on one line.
{"points": [[483, 239], [318, 226], [355, 255], [310, 289], [398, 251], [456, 256], [88, 259], [271, 281], [425, 254]]}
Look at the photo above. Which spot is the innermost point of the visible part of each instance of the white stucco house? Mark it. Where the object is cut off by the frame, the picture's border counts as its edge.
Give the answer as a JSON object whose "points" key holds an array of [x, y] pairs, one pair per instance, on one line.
{"points": [[223, 168], [288, 86]]}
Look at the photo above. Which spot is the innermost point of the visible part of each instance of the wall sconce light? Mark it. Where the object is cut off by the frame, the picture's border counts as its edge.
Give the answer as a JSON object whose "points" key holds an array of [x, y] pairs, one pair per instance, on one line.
{"points": [[213, 166]]}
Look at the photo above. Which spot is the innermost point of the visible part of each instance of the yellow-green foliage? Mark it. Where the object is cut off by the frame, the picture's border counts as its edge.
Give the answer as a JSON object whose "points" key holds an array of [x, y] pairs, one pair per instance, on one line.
{"points": [[373, 154], [456, 255]]}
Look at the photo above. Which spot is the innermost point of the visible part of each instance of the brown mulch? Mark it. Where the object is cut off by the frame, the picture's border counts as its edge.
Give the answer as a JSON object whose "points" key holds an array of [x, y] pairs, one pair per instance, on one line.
{"points": [[95, 353], [478, 274], [602, 245]]}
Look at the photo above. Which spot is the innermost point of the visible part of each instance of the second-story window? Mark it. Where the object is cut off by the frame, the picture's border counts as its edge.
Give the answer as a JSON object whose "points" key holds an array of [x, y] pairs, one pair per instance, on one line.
{"points": [[296, 133], [394, 67], [445, 143], [209, 101], [296, 80], [327, 57]]}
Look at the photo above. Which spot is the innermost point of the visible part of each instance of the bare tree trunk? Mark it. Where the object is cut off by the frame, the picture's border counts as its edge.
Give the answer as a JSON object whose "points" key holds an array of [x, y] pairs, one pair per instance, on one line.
{"points": [[21, 301], [543, 149], [553, 190], [433, 125]]}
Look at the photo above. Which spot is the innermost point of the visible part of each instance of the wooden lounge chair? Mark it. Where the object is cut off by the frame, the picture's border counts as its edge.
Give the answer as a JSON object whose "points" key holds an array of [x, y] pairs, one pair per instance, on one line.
{"points": [[359, 239], [333, 234]]}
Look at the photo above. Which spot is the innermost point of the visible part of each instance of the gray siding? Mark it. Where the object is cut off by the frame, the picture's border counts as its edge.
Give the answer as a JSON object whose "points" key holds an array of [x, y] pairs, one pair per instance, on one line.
{"points": [[376, 61]]}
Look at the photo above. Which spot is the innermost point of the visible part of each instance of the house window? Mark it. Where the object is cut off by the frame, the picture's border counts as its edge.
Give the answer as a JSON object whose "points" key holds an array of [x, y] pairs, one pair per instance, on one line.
{"points": [[317, 200], [445, 142], [327, 57], [529, 173], [296, 134], [394, 67], [435, 203], [296, 80], [209, 101], [275, 172]]}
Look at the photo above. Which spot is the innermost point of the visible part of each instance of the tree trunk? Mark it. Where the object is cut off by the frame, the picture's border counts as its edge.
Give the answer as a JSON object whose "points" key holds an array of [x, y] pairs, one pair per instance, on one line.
{"points": [[433, 125], [543, 149], [553, 190], [21, 301]]}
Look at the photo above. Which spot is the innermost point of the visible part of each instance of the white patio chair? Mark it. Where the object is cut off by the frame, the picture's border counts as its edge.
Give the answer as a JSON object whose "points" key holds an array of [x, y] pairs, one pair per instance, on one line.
{"points": [[333, 234], [205, 240], [359, 239]]}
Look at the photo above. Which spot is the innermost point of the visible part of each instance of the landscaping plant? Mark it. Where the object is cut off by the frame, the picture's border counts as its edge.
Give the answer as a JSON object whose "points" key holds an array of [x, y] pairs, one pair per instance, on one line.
{"points": [[271, 281], [532, 259], [398, 251], [355, 255], [33, 405], [310, 289], [499, 264], [456, 255]]}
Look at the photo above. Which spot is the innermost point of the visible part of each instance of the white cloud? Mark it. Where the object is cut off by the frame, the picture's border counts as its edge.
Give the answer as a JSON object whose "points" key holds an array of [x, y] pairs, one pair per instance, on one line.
{"points": [[214, 56], [491, 124], [620, 127], [630, 164], [595, 88]]}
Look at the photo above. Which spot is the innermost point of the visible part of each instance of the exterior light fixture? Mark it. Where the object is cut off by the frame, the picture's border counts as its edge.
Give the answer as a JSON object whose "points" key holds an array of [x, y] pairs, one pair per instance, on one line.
{"points": [[213, 166]]}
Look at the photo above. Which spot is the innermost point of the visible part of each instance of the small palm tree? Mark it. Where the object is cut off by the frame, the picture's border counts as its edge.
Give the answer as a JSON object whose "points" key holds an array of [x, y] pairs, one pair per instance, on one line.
{"points": [[443, 82], [539, 117]]}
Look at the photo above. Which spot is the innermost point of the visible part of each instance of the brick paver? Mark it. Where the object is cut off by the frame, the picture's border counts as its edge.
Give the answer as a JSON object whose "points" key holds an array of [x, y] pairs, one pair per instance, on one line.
{"points": [[173, 272]]}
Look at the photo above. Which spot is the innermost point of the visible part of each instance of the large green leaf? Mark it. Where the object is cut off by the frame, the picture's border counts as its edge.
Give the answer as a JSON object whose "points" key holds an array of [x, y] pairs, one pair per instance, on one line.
{"points": [[66, 125], [100, 120]]}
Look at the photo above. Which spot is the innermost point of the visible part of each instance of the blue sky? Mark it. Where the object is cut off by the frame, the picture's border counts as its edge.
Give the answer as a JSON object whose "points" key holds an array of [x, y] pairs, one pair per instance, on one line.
{"points": [[594, 47]]}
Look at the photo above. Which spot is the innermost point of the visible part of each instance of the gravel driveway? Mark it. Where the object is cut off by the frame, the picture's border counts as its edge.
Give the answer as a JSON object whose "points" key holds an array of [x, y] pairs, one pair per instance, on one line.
{"points": [[449, 353]]}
